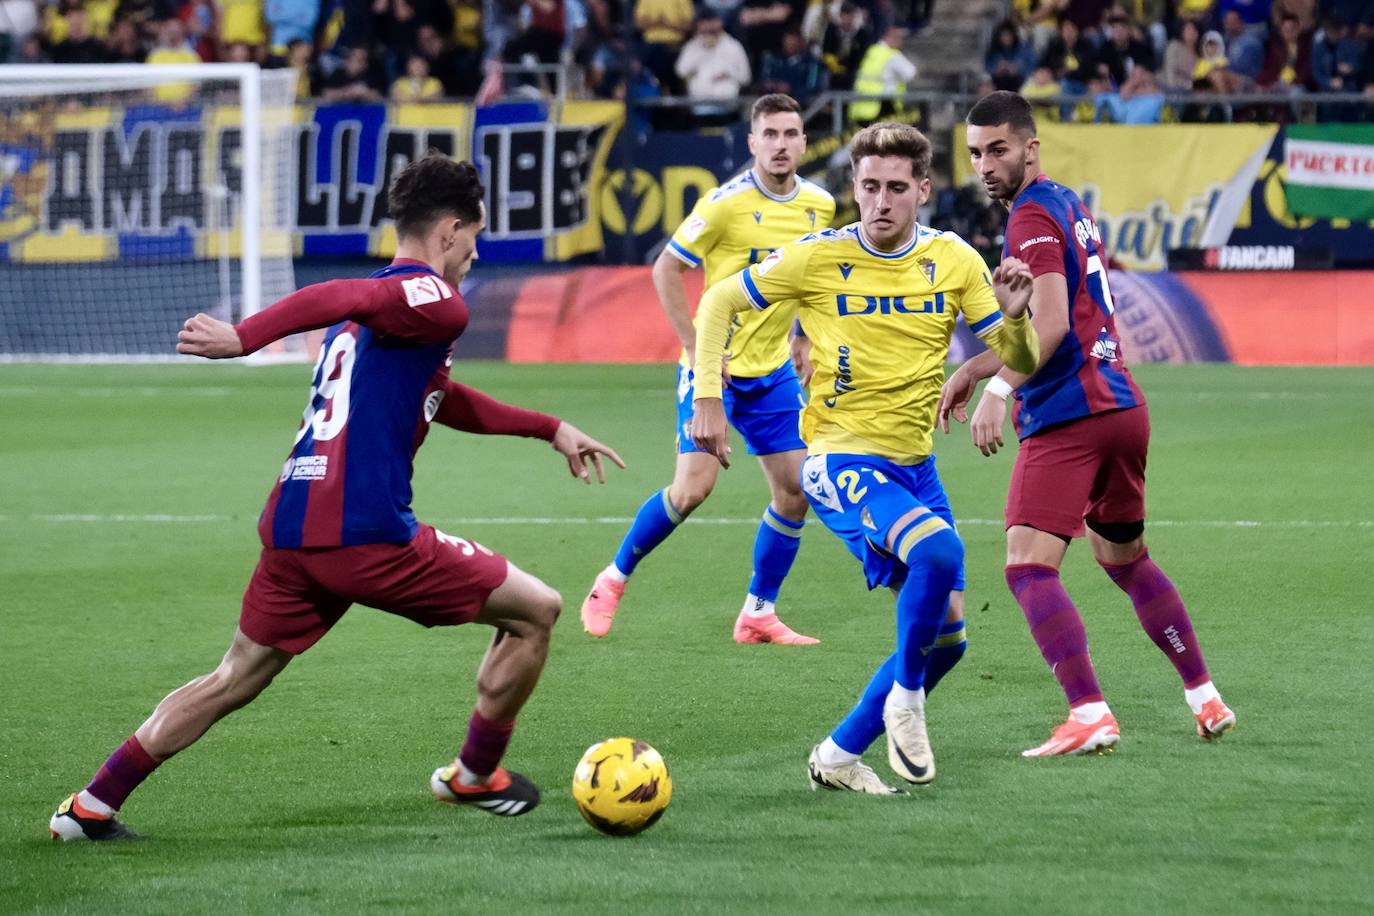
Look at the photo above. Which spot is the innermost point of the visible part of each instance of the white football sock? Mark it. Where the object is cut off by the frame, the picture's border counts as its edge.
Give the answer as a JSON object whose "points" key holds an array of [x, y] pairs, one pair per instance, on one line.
{"points": [[613, 573], [755, 606], [910, 699], [1088, 713], [832, 755], [1200, 694], [468, 778], [93, 804]]}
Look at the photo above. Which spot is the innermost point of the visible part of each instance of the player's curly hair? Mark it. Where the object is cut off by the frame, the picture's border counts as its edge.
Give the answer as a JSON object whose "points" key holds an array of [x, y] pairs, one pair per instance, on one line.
{"points": [[889, 138], [1002, 107], [434, 186]]}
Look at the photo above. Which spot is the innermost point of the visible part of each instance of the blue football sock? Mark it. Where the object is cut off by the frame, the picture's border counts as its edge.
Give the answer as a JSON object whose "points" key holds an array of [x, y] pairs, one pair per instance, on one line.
{"points": [[653, 523], [933, 555], [864, 723], [949, 648], [775, 547]]}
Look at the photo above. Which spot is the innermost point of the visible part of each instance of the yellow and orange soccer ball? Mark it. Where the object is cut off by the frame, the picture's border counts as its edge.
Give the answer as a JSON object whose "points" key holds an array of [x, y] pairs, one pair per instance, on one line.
{"points": [[622, 786]]}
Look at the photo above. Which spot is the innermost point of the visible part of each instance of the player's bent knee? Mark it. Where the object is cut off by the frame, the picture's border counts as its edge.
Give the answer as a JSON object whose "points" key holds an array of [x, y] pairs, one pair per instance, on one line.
{"points": [[687, 497]]}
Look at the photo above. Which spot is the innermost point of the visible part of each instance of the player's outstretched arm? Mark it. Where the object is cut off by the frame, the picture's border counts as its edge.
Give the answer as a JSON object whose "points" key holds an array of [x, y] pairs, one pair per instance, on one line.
{"points": [[317, 306], [209, 337], [581, 450], [718, 307]]}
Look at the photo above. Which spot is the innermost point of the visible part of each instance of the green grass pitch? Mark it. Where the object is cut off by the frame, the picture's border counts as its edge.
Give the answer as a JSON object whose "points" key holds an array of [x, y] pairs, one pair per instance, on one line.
{"points": [[127, 535]]}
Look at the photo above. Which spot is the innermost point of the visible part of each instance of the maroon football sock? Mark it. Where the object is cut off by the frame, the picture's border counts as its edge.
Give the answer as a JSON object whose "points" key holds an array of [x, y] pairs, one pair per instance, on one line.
{"points": [[128, 766], [1162, 615], [1057, 629], [485, 745]]}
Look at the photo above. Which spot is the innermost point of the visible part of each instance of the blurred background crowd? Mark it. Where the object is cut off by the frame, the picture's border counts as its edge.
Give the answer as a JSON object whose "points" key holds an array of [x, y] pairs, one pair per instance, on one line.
{"points": [[1124, 62]]}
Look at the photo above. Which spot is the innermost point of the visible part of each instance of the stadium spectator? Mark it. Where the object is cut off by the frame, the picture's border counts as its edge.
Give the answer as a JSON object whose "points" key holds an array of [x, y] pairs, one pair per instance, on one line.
{"points": [[1138, 100], [1305, 10], [456, 77], [847, 37], [1200, 12], [714, 65], [600, 28], [1124, 50], [300, 57], [124, 45], [1358, 13], [147, 15], [290, 20], [1151, 17], [18, 20], [794, 70], [1336, 58], [884, 70], [1251, 12], [1287, 59], [1009, 60], [417, 85], [1212, 72], [356, 81], [1072, 57], [1038, 89], [664, 26], [79, 46], [1244, 49], [1037, 21], [31, 51], [1181, 57], [399, 22], [1088, 15], [762, 23], [241, 21], [239, 53], [172, 46]]}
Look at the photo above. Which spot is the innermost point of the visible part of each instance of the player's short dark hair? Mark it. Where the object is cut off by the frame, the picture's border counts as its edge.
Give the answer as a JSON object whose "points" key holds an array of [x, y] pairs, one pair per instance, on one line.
{"points": [[773, 103], [431, 187], [1002, 107], [889, 138]]}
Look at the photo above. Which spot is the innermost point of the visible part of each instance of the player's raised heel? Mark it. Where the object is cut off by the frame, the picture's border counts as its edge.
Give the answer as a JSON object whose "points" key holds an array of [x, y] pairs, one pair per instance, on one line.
{"points": [[598, 608], [850, 777], [1215, 720], [505, 794], [908, 746], [1073, 738], [754, 630], [73, 822]]}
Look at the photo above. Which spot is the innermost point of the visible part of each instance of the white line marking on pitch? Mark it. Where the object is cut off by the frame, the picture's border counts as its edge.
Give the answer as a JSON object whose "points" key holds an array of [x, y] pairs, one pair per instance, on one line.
{"points": [[159, 518]]}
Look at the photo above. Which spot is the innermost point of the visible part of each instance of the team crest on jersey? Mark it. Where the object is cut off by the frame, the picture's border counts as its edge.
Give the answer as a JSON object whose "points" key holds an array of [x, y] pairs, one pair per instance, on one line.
{"points": [[424, 290], [845, 270], [770, 262], [692, 229], [758, 216], [927, 265]]}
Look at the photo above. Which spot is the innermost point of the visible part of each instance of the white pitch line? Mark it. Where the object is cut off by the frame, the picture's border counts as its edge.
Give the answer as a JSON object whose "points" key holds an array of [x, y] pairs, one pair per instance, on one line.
{"points": [[161, 518]]}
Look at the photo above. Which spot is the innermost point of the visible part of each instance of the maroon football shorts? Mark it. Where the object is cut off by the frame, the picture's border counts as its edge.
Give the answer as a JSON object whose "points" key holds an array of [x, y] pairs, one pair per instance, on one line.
{"points": [[1092, 468], [436, 580]]}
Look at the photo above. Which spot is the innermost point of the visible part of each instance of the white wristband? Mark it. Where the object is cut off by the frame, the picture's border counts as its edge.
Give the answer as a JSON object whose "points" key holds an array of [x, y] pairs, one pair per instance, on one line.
{"points": [[998, 387]]}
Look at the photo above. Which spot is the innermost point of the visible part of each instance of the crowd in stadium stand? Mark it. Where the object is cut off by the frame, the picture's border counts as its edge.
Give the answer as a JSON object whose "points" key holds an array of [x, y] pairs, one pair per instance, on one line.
{"points": [[1121, 58], [1124, 58], [417, 50]]}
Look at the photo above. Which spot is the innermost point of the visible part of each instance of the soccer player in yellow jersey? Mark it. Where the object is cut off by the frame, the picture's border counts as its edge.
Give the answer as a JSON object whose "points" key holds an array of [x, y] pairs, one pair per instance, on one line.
{"points": [[736, 225], [879, 300]]}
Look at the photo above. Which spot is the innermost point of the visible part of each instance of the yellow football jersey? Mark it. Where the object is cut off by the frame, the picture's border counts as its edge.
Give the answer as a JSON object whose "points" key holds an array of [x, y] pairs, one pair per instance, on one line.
{"points": [[880, 325], [738, 224]]}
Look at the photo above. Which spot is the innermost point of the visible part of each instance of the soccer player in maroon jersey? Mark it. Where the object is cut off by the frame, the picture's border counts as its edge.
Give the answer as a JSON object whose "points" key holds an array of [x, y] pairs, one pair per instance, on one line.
{"points": [[338, 529], [1084, 431]]}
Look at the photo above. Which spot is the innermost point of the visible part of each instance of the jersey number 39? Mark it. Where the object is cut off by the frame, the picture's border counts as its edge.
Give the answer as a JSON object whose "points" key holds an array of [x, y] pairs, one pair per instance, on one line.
{"points": [[333, 376]]}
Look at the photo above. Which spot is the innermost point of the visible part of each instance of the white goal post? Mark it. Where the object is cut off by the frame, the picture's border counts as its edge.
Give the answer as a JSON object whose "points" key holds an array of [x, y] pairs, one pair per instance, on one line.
{"points": [[133, 196]]}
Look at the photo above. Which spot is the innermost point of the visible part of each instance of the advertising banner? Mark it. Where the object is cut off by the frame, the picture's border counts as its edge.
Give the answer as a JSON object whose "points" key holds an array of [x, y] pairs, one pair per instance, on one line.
{"points": [[1330, 170], [153, 182]]}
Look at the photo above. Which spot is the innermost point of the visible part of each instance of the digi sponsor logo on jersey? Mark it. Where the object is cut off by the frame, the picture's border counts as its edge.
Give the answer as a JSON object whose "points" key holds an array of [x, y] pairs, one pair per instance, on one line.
{"points": [[1086, 229], [848, 305], [424, 290], [305, 467]]}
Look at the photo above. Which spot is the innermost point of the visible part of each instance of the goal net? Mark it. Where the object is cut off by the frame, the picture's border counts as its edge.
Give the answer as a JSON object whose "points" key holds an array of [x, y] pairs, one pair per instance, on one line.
{"points": [[134, 196]]}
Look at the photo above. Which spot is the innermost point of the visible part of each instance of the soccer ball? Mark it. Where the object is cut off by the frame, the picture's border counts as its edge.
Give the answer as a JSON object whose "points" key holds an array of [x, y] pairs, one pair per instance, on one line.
{"points": [[622, 786]]}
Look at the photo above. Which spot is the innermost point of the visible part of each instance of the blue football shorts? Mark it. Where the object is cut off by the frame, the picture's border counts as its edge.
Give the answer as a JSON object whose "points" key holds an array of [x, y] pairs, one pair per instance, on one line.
{"points": [[859, 497], [764, 410]]}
